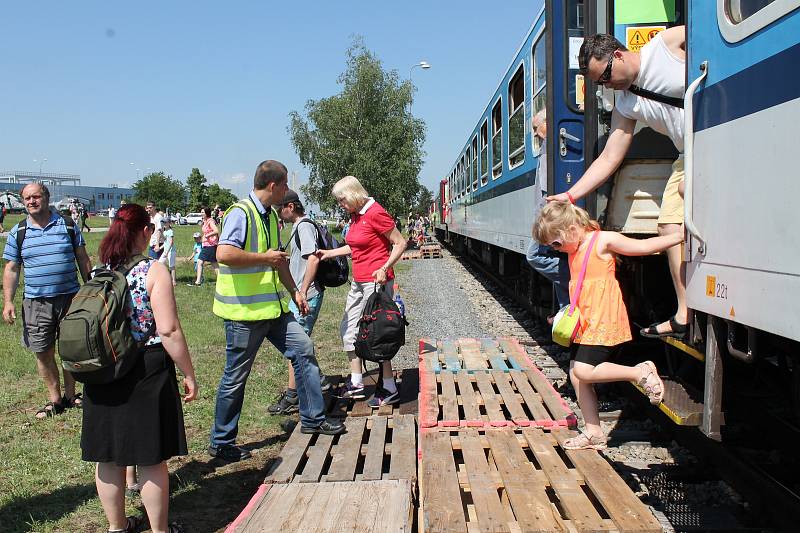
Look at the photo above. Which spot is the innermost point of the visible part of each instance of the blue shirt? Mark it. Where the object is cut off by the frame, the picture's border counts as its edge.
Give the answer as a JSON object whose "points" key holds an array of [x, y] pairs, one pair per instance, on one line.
{"points": [[234, 226], [47, 257]]}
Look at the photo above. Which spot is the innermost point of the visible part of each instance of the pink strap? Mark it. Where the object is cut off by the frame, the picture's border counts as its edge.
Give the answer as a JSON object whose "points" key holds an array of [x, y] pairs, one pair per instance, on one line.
{"points": [[579, 285]]}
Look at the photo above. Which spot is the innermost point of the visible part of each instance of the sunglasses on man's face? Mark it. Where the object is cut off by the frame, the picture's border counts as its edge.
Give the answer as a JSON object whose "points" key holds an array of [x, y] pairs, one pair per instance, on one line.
{"points": [[605, 77]]}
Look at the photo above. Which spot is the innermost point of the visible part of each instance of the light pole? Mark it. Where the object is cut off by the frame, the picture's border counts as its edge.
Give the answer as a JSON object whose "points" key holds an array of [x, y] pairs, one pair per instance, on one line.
{"points": [[42, 162], [133, 166], [424, 65]]}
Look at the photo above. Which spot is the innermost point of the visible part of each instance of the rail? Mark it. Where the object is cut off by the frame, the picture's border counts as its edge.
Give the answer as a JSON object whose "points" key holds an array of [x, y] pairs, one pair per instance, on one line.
{"points": [[688, 123]]}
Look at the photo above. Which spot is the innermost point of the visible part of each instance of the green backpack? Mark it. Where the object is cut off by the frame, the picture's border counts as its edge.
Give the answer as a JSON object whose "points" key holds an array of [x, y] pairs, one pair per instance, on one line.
{"points": [[94, 338]]}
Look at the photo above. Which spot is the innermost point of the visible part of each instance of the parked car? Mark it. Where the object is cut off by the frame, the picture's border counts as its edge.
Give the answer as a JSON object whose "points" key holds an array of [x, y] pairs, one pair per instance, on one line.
{"points": [[194, 218]]}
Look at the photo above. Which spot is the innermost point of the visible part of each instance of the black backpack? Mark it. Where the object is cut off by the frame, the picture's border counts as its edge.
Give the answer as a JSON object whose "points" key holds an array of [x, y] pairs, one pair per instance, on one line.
{"points": [[22, 229], [333, 272], [94, 338], [381, 329]]}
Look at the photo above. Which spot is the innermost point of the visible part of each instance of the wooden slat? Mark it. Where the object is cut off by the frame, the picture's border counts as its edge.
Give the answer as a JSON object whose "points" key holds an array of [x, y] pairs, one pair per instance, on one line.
{"points": [[549, 396], [492, 352], [492, 517], [532, 399], [625, 509], [429, 356], [450, 352], [471, 354], [515, 353], [342, 508], [373, 462], [361, 407], [428, 399], [469, 401], [403, 462], [294, 450], [275, 508], [306, 497], [490, 400], [409, 391], [573, 500], [524, 485], [346, 452], [394, 510], [316, 460], [510, 398], [448, 399], [439, 490]]}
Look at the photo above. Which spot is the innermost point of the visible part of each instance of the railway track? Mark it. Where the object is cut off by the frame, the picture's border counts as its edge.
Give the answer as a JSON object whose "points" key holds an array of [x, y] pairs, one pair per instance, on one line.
{"points": [[747, 483]]}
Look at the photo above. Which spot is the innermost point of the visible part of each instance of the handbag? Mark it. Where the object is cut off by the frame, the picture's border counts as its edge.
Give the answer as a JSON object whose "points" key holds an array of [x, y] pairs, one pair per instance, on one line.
{"points": [[568, 319]]}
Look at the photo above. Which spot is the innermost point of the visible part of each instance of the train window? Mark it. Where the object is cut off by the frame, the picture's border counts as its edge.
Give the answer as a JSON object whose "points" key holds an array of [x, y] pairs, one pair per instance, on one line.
{"points": [[516, 118], [539, 85], [497, 139], [574, 31], [468, 172], [475, 162], [738, 19], [484, 153], [464, 185]]}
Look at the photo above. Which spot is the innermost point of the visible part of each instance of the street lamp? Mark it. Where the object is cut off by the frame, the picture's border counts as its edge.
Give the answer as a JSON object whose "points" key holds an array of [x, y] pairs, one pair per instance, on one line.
{"points": [[424, 65], [42, 162]]}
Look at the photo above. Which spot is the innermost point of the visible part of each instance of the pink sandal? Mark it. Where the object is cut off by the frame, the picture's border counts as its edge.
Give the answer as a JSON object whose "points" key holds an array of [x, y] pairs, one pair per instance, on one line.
{"points": [[585, 442], [651, 382]]}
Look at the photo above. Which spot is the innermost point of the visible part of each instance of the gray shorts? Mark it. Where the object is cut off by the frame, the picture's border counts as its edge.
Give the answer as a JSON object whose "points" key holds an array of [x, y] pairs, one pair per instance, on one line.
{"points": [[356, 300], [40, 319]]}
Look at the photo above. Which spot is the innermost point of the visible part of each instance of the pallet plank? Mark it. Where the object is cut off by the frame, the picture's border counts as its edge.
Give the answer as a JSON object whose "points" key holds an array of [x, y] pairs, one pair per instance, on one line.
{"points": [[469, 402], [283, 469], [625, 509], [490, 399], [515, 353], [409, 388], [317, 456], [394, 510], [450, 352], [510, 399], [439, 490], [448, 400], [524, 485], [532, 399], [492, 517], [549, 396], [472, 356], [428, 399], [346, 452], [492, 350], [373, 462], [429, 356], [574, 501], [403, 462]]}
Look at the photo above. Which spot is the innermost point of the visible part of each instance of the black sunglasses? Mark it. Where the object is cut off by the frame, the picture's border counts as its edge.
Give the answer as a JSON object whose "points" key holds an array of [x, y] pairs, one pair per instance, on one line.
{"points": [[605, 77], [556, 245]]}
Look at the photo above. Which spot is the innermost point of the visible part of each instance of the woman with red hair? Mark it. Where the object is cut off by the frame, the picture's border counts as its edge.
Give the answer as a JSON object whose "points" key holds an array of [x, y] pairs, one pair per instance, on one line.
{"points": [[138, 419]]}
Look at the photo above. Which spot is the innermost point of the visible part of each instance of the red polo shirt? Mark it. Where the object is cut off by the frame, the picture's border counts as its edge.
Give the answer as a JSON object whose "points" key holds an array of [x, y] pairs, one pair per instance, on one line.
{"points": [[370, 248]]}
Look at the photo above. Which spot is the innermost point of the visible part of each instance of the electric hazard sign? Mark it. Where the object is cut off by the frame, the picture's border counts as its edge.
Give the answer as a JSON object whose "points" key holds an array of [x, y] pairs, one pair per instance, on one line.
{"points": [[638, 36]]}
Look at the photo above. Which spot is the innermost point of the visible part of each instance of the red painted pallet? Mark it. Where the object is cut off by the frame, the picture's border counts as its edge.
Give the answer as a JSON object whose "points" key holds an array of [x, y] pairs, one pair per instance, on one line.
{"points": [[486, 383]]}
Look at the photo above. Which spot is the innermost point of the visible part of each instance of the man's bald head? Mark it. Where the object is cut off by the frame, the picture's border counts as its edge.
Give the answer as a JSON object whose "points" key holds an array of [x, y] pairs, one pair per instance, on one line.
{"points": [[35, 187]]}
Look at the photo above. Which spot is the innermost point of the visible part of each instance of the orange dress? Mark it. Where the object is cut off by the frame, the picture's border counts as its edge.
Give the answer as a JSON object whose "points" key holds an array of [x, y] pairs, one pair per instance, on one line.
{"points": [[604, 317]]}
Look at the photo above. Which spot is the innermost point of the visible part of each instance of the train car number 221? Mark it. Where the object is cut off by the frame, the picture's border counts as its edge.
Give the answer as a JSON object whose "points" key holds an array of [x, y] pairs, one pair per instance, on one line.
{"points": [[716, 290]]}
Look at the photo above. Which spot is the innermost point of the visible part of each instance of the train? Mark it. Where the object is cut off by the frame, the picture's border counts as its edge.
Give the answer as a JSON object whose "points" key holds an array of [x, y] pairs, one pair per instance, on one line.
{"points": [[741, 253]]}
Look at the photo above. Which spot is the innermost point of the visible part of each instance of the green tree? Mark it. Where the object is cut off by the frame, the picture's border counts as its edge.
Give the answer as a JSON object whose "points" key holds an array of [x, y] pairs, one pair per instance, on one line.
{"points": [[220, 195], [196, 185], [165, 191], [366, 131], [423, 201]]}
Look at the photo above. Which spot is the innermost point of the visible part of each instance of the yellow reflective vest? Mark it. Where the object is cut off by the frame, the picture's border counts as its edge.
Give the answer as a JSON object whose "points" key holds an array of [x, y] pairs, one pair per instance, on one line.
{"points": [[252, 292]]}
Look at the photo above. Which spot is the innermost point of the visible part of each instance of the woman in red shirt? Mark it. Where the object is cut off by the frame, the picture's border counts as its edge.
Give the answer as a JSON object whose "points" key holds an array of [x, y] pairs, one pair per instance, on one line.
{"points": [[208, 252], [375, 245]]}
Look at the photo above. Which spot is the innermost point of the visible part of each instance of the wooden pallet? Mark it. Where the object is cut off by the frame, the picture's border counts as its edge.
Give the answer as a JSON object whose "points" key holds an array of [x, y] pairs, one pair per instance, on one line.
{"points": [[376, 447], [374, 506], [407, 382], [510, 481], [496, 392], [411, 254]]}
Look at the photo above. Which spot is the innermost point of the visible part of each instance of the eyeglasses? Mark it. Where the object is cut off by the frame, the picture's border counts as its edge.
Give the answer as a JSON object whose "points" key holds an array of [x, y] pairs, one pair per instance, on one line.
{"points": [[556, 245], [605, 77]]}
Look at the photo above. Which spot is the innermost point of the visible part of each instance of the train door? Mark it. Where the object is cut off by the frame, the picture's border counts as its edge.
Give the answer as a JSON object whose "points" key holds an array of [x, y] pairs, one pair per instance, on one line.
{"points": [[741, 163], [565, 154]]}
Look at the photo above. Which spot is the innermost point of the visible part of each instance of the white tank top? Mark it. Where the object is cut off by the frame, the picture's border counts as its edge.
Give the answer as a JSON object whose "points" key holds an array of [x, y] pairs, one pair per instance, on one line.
{"points": [[660, 72]]}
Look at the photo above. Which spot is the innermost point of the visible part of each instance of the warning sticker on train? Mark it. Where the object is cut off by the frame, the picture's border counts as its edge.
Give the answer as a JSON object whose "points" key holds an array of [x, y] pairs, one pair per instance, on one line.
{"points": [[638, 36]]}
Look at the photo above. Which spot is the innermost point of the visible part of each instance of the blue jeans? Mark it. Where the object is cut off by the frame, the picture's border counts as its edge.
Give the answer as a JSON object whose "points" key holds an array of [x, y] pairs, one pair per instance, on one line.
{"points": [[308, 321], [243, 341], [553, 266]]}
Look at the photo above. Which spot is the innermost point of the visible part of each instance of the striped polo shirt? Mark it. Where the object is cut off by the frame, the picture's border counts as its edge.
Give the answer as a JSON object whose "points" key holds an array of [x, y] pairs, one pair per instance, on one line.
{"points": [[47, 257]]}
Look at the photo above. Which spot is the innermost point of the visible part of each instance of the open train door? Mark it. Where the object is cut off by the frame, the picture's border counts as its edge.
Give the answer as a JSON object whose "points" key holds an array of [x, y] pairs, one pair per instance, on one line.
{"points": [[565, 94]]}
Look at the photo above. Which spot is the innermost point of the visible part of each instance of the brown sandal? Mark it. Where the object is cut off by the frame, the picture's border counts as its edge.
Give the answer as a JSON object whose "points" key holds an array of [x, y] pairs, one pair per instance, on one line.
{"points": [[651, 382], [585, 442]]}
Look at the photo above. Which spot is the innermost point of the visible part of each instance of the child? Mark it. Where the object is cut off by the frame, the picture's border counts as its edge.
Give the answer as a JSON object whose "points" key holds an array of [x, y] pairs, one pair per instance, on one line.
{"points": [[169, 253], [604, 322], [198, 247]]}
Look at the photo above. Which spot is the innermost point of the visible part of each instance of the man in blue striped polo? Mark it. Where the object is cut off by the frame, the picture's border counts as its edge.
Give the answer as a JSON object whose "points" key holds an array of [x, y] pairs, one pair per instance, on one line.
{"points": [[49, 248]]}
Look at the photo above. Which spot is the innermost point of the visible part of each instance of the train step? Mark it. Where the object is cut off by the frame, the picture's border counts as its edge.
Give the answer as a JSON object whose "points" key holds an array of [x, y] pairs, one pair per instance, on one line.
{"points": [[685, 347], [682, 403]]}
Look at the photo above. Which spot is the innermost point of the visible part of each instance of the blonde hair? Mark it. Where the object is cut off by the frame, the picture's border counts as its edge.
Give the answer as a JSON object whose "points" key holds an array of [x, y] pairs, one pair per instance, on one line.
{"points": [[350, 190], [555, 219]]}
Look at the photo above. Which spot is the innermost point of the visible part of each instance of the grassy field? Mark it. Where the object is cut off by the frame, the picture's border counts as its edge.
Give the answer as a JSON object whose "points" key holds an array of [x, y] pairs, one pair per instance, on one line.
{"points": [[44, 486]]}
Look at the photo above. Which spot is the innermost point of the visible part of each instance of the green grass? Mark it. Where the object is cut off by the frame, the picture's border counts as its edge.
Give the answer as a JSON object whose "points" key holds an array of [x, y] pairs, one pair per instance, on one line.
{"points": [[44, 485]]}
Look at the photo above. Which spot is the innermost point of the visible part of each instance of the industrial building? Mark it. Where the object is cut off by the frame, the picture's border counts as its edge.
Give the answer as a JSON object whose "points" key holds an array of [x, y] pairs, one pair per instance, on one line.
{"points": [[63, 188]]}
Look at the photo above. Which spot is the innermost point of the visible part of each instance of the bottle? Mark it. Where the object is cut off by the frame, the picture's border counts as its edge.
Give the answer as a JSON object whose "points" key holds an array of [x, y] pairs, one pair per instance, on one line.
{"points": [[398, 301]]}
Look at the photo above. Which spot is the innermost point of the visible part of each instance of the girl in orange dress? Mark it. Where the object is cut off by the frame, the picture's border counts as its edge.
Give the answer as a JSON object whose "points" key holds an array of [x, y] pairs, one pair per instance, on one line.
{"points": [[604, 322]]}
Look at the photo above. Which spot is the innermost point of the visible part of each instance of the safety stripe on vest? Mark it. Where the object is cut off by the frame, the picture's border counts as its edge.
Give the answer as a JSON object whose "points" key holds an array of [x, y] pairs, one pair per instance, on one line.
{"points": [[258, 269], [255, 299]]}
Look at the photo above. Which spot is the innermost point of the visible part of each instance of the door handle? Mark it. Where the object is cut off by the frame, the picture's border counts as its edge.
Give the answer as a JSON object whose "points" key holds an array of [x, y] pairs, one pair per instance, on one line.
{"points": [[562, 141], [688, 154]]}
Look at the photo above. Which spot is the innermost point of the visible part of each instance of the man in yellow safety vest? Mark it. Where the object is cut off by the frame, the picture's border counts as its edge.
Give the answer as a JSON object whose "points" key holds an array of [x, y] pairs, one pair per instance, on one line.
{"points": [[251, 298]]}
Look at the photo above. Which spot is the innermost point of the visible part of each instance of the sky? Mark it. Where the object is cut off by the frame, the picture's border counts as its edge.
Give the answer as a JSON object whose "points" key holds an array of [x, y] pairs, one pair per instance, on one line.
{"points": [[93, 86]]}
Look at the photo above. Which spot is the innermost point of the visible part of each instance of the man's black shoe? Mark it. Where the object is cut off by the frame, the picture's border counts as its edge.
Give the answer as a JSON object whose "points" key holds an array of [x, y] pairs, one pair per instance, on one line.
{"points": [[329, 427], [229, 453], [285, 405]]}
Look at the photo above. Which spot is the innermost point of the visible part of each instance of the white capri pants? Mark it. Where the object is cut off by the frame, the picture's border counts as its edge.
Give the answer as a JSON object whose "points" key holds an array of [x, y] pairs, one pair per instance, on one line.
{"points": [[356, 299]]}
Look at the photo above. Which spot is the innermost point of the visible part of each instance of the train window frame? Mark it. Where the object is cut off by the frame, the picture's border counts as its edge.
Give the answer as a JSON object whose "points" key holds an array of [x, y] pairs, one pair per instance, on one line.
{"points": [[497, 168], [468, 167], [475, 170], [569, 79], [516, 157], [537, 92], [733, 32], [484, 147], [464, 185]]}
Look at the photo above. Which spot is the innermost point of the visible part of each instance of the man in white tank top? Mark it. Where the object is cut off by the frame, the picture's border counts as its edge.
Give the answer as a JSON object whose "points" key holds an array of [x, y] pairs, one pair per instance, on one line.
{"points": [[660, 67]]}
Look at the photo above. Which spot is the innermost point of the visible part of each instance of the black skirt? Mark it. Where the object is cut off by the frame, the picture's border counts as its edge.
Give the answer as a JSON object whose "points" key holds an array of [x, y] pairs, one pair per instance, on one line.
{"points": [[208, 253], [138, 419]]}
